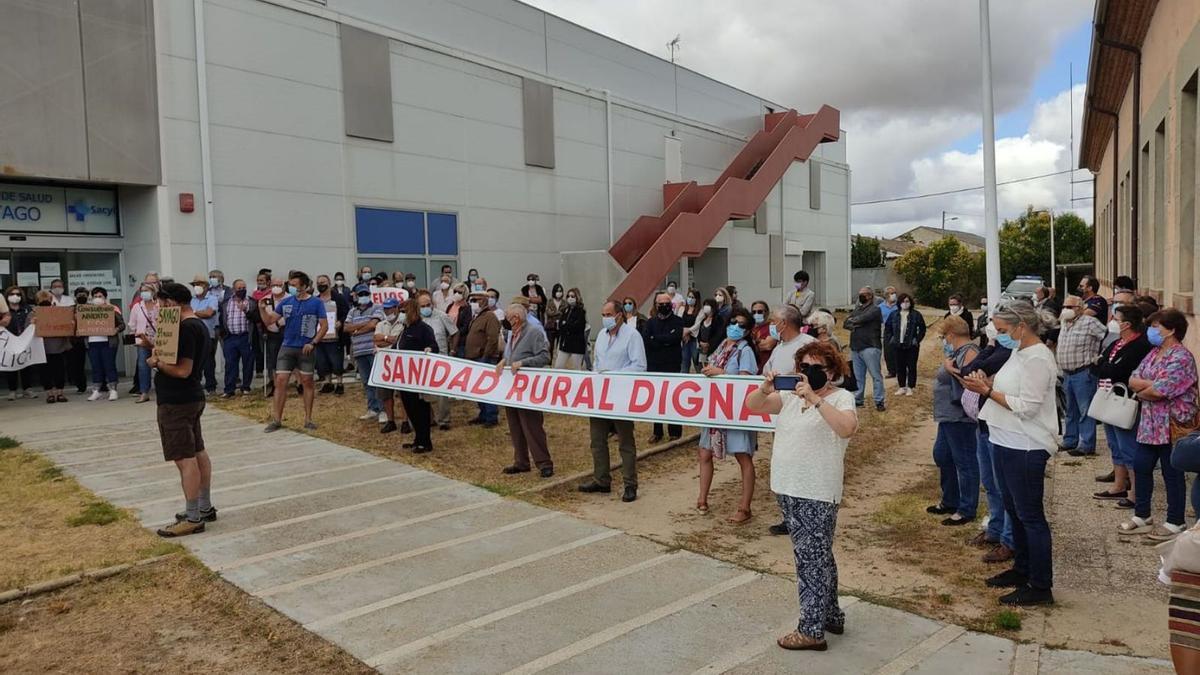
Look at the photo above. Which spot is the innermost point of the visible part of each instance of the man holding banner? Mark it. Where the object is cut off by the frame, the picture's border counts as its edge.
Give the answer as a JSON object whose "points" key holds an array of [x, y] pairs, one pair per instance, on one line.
{"points": [[619, 348], [526, 347]]}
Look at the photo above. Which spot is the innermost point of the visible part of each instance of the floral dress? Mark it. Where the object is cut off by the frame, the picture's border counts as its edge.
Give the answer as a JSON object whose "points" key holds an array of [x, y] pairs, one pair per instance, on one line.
{"points": [[734, 357], [1173, 372]]}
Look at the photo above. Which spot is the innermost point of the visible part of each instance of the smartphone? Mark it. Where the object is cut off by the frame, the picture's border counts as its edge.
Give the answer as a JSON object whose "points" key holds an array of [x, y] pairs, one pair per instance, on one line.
{"points": [[786, 382]]}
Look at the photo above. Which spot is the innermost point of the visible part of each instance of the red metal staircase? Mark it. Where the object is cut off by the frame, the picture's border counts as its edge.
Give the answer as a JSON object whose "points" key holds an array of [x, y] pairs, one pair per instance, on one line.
{"points": [[693, 215]]}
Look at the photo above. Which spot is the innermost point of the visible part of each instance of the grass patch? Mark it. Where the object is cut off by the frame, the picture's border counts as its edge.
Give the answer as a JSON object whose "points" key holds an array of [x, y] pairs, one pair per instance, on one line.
{"points": [[160, 548], [502, 490], [96, 513], [1006, 620], [50, 473], [7, 443]]}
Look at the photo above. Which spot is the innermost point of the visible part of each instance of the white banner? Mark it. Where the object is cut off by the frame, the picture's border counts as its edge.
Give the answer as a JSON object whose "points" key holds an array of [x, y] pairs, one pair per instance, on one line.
{"points": [[19, 351], [381, 293], [673, 398]]}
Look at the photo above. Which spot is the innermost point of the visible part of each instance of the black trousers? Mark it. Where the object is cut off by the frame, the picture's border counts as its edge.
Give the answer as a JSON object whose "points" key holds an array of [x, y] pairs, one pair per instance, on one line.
{"points": [[419, 415], [54, 371], [673, 430], [76, 358], [906, 366], [889, 359]]}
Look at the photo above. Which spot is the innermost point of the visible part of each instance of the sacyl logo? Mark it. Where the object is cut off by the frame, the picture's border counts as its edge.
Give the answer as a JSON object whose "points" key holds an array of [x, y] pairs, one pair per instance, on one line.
{"points": [[81, 209]]}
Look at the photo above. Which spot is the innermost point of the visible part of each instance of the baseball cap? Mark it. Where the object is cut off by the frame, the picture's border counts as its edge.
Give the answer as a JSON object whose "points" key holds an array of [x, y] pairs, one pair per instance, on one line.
{"points": [[391, 303]]}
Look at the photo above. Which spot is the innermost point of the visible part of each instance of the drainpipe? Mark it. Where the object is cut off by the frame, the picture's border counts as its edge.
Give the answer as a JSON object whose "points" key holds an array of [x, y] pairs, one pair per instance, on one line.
{"points": [[210, 236], [1115, 171], [608, 165], [1134, 156]]}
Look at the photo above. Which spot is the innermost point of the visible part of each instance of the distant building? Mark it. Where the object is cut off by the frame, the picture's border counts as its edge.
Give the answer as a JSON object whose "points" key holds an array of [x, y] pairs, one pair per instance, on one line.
{"points": [[927, 235]]}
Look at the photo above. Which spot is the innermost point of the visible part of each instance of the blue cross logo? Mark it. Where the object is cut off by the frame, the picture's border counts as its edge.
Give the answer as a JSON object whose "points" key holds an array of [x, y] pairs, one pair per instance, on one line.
{"points": [[79, 209]]}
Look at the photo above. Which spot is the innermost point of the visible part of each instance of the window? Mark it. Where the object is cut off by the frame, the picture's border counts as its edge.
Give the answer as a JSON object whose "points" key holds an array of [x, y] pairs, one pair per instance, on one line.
{"points": [[1187, 186], [538, 117], [408, 241], [1145, 247], [814, 184]]}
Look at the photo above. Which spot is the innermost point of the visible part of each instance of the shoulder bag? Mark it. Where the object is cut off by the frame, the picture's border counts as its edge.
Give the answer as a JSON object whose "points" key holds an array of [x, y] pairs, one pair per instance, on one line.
{"points": [[1115, 406]]}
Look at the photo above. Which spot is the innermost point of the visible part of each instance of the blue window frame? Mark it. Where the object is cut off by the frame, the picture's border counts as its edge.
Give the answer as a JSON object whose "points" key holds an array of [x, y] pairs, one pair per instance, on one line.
{"points": [[398, 233], [443, 233]]}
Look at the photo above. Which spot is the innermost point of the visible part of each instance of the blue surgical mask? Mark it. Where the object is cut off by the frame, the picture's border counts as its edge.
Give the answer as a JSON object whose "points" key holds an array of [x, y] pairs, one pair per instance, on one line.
{"points": [[364, 300], [610, 322], [629, 307], [1007, 341], [426, 312], [947, 348], [147, 296], [735, 332], [1154, 336], [292, 290], [760, 318], [774, 332], [691, 302]]}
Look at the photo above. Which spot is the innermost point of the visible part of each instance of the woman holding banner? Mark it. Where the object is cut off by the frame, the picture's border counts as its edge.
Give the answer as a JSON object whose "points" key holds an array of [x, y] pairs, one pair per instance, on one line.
{"points": [[102, 350], [814, 424], [418, 336], [54, 371], [734, 356], [18, 319]]}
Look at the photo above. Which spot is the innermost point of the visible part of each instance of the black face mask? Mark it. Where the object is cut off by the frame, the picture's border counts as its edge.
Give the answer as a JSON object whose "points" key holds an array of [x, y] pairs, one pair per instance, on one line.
{"points": [[664, 308], [817, 379], [240, 293], [321, 288], [81, 299], [862, 298], [506, 324]]}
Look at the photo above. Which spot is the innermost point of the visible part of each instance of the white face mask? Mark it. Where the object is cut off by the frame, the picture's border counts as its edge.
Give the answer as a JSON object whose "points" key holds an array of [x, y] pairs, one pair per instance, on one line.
{"points": [[14, 299], [1068, 314], [57, 291], [983, 305], [491, 302], [445, 285], [558, 295], [410, 284], [571, 300], [956, 309], [199, 290], [474, 306], [719, 299], [98, 301], [1114, 327], [456, 297], [990, 331], [905, 306], [892, 297], [339, 282], [364, 276], [531, 283], [277, 290], [147, 296], [671, 290], [213, 281]]}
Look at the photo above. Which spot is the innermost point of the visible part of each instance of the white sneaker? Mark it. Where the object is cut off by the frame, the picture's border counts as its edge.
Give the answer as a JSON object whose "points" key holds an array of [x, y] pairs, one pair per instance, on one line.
{"points": [[29, 394], [12, 395], [112, 394], [383, 418], [95, 395], [367, 416]]}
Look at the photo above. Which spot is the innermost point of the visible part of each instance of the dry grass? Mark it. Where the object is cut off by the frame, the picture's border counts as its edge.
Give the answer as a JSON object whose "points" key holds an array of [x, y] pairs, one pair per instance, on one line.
{"points": [[466, 452], [53, 527], [173, 617]]}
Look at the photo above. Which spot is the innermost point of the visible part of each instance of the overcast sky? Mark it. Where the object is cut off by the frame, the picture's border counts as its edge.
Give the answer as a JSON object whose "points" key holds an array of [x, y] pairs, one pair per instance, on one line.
{"points": [[905, 75]]}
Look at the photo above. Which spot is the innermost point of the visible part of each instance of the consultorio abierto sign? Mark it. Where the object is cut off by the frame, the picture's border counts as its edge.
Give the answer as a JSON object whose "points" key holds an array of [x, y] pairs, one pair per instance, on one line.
{"points": [[660, 397]]}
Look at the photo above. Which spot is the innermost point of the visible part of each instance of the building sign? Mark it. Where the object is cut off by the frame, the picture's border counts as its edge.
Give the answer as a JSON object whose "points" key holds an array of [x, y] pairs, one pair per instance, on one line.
{"points": [[30, 208]]}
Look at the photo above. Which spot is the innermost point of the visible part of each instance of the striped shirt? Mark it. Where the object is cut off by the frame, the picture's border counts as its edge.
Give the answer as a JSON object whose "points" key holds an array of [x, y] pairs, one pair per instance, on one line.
{"points": [[1079, 342]]}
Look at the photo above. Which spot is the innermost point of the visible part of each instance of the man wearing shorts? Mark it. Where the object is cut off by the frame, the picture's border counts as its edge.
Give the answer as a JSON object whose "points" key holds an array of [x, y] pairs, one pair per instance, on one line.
{"points": [[180, 405], [304, 324]]}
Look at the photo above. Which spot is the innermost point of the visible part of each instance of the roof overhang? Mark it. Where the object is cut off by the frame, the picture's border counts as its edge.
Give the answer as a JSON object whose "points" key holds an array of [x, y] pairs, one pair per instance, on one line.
{"points": [[1109, 70]]}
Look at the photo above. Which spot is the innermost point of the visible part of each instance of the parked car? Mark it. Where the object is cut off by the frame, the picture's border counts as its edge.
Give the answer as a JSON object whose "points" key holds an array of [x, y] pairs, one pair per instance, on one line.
{"points": [[1021, 288]]}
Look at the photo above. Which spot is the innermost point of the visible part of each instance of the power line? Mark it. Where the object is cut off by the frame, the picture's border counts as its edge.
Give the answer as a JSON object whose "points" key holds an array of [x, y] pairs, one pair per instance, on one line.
{"points": [[951, 192]]}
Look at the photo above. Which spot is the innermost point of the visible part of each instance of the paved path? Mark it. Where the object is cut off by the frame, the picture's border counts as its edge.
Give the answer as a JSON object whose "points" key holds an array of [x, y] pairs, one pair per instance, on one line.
{"points": [[413, 572]]}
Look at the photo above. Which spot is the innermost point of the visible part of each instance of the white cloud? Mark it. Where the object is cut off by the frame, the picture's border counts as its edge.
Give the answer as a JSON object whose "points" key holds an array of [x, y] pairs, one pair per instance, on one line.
{"points": [[904, 74]]}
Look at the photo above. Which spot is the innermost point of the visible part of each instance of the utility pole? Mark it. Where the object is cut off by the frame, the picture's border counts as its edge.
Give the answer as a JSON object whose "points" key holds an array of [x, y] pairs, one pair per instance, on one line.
{"points": [[673, 45], [991, 228]]}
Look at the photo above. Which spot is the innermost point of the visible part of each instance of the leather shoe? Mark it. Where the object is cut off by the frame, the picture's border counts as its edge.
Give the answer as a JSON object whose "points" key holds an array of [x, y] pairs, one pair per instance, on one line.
{"points": [[595, 487], [999, 553], [1109, 477], [630, 494], [510, 470], [387, 427], [1007, 579], [1076, 452], [547, 472]]}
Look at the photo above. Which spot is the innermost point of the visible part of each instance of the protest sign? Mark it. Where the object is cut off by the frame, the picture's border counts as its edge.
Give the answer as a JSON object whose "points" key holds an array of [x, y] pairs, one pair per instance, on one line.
{"points": [[692, 400], [166, 337], [54, 321], [19, 351], [379, 294], [95, 320]]}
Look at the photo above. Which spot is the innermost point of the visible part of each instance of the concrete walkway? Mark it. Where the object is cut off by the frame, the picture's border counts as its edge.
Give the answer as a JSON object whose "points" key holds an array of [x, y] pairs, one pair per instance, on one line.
{"points": [[413, 572]]}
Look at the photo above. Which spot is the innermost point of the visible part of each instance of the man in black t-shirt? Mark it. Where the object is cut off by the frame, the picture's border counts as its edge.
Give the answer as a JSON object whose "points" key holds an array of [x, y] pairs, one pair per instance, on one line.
{"points": [[180, 405]]}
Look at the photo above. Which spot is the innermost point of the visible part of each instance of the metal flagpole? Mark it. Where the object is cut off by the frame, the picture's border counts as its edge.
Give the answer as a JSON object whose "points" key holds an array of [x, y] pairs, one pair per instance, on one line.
{"points": [[991, 227]]}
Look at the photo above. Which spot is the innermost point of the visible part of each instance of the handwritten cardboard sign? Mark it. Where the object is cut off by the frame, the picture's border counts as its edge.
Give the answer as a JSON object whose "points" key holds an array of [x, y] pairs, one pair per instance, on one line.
{"points": [[54, 321], [95, 320], [166, 339]]}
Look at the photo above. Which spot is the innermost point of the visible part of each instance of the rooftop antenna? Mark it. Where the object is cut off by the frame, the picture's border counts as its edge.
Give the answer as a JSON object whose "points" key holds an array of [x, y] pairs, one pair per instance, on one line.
{"points": [[674, 46]]}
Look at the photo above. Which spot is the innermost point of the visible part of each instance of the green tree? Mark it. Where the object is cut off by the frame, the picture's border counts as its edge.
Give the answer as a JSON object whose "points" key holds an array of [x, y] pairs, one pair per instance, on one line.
{"points": [[865, 252], [1025, 243], [943, 268]]}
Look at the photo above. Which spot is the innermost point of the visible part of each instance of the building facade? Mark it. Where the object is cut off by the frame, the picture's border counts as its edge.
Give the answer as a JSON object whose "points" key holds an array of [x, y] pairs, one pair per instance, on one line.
{"points": [[181, 135], [1140, 129]]}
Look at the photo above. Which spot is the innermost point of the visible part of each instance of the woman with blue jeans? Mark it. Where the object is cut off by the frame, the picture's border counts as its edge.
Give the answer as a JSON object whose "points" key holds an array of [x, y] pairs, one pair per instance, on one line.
{"points": [[1020, 408], [102, 351], [1165, 382], [143, 318], [954, 449], [1115, 366]]}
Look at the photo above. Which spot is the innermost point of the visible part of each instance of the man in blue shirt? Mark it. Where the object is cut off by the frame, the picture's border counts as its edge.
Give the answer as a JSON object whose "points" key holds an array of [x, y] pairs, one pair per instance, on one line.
{"points": [[888, 306], [206, 307], [302, 318]]}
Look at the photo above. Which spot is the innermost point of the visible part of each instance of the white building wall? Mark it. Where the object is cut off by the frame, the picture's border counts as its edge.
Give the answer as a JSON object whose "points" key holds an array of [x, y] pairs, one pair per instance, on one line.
{"points": [[287, 179]]}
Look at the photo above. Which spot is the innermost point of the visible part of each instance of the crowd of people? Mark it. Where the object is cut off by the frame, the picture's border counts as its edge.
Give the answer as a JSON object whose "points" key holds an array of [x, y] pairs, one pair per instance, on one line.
{"points": [[995, 395]]}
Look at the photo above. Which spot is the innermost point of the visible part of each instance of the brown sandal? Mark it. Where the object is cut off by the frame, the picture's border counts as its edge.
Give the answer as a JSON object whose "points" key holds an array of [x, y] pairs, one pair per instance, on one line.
{"points": [[797, 642], [742, 517]]}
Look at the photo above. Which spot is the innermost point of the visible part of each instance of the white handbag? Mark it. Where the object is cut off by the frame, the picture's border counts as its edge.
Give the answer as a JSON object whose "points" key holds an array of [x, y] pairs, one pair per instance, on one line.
{"points": [[1114, 406]]}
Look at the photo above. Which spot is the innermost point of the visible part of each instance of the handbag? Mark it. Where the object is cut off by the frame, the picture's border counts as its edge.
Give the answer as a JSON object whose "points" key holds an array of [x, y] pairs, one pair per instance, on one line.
{"points": [[1185, 456], [1180, 430], [1182, 553], [970, 404], [1114, 406]]}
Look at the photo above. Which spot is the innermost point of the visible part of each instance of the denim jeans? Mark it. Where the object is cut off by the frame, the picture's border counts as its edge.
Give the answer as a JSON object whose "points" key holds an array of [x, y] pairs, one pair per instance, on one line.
{"points": [[363, 364], [1122, 443], [955, 451], [1143, 482], [1022, 475], [489, 413], [691, 354], [867, 361], [1079, 430], [238, 353], [999, 527], [104, 363], [144, 376]]}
